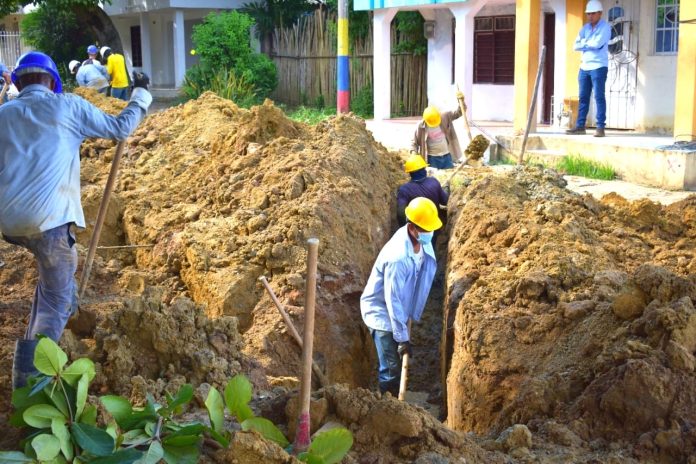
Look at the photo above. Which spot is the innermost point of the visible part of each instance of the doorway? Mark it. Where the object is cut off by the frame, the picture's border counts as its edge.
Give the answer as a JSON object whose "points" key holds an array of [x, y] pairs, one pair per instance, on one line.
{"points": [[550, 44]]}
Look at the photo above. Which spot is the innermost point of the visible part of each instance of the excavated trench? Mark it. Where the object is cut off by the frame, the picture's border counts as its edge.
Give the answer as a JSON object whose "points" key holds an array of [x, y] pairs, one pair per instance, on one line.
{"points": [[560, 328]]}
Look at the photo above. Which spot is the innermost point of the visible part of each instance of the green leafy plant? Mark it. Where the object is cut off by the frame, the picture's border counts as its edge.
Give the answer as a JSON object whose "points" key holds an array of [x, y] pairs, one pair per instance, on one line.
{"points": [[222, 43], [63, 426], [327, 447], [362, 104]]}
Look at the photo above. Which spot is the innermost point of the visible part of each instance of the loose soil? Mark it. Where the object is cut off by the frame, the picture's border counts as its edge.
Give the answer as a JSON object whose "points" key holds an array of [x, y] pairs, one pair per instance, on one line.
{"points": [[566, 323]]}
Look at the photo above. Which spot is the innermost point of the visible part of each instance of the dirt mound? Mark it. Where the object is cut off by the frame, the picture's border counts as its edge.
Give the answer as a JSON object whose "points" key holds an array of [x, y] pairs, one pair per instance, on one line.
{"points": [[553, 313]]}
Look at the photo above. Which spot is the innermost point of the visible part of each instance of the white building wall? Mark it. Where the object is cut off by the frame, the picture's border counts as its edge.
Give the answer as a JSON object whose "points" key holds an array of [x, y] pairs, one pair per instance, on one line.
{"points": [[656, 77], [440, 64]]}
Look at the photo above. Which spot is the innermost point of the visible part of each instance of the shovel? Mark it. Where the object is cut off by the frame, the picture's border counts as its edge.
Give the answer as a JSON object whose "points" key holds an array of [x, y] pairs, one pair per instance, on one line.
{"points": [[83, 321], [404, 370]]}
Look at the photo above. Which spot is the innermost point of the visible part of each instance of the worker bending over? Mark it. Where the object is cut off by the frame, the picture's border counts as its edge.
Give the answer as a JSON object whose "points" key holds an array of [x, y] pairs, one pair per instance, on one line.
{"points": [[435, 138], [40, 186], [398, 287], [92, 75]]}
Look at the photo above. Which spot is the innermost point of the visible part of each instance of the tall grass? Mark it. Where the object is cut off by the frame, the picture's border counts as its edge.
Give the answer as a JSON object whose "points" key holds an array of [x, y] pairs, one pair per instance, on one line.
{"points": [[223, 82], [308, 114], [576, 165]]}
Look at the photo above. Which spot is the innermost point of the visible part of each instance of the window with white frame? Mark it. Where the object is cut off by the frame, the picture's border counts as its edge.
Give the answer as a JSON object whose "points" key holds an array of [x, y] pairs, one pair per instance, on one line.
{"points": [[667, 26]]}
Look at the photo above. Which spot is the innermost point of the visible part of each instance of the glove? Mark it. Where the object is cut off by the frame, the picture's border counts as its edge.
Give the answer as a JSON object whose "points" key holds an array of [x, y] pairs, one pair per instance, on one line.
{"points": [[460, 96], [404, 348], [140, 79], [141, 97]]}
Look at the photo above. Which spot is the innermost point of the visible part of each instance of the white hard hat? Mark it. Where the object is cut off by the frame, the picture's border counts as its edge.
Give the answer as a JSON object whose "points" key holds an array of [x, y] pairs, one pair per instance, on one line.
{"points": [[73, 64], [593, 6], [104, 50]]}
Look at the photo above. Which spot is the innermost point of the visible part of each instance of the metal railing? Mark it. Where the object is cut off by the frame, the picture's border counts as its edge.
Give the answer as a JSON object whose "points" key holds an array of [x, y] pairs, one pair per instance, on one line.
{"points": [[11, 48]]}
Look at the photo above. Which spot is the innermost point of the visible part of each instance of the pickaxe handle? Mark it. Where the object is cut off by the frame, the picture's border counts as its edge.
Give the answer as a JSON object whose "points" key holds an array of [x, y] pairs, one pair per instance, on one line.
{"points": [[462, 106]]}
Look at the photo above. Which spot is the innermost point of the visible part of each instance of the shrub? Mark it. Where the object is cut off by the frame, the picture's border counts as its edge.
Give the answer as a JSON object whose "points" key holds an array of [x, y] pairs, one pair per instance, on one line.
{"points": [[362, 104], [223, 82], [222, 43]]}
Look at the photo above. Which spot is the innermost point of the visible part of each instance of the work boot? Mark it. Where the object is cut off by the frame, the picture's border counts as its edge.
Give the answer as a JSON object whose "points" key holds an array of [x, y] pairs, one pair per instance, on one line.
{"points": [[23, 363], [599, 132], [576, 131]]}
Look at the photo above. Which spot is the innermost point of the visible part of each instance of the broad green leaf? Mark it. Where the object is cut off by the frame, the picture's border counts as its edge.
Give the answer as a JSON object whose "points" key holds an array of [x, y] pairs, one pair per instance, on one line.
{"points": [[153, 455], [89, 415], [76, 370], [125, 416], [40, 416], [181, 440], [267, 429], [183, 396], [57, 398], [216, 409], [41, 382], [219, 437], [128, 456], [150, 429], [49, 359], [81, 396], [93, 440], [135, 437], [11, 457], [331, 446], [60, 430], [112, 429], [119, 407], [180, 454], [46, 447], [21, 400], [237, 397], [191, 429], [309, 458]]}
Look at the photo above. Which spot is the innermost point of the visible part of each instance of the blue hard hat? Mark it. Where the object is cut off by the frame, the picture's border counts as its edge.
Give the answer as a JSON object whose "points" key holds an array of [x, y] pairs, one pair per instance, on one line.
{"points": [[92, 49], [37, 62]]}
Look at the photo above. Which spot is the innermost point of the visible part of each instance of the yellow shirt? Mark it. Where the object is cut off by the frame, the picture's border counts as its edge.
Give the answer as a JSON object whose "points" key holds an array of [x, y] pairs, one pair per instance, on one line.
{"points": [[116, 67]]}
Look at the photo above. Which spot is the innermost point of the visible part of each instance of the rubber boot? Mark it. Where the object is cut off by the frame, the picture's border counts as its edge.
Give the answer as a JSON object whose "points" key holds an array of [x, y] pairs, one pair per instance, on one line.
{"points": [[23, 364]]}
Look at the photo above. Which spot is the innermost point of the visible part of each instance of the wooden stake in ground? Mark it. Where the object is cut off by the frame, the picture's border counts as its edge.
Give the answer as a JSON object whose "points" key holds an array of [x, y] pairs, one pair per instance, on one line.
{"points": [[302, 439], [404, 370], [87, 268], [323, 381], [532, 106]]}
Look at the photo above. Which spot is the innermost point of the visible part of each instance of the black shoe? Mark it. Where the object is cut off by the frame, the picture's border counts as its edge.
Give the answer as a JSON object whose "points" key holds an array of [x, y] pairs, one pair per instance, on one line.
{"points": [[599, 132], [576, 131]]}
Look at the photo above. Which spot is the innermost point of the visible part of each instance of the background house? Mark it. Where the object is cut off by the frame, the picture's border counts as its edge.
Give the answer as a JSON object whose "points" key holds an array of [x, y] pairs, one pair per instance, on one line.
{"points": [[156, 34], [490, 48]]}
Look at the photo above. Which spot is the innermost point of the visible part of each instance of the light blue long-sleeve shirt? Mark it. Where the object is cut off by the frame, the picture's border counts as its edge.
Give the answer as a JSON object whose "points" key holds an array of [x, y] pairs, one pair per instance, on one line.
{"points": [[395, 292], [92, 75], [593, 43], [40, 156]]}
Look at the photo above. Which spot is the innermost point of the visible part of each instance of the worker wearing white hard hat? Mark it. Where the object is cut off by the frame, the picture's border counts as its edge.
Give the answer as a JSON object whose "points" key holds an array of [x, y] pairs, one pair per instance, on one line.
{"points": [[90, 74], [593, 42]]}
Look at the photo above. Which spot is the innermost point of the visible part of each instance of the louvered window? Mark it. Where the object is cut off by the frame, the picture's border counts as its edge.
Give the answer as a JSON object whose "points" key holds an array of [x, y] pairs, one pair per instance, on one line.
{"points": [[494, 49]]}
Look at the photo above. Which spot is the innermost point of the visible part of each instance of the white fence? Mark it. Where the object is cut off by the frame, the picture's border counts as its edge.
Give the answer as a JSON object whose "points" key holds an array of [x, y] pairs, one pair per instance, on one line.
{"points": [[11, 47]]}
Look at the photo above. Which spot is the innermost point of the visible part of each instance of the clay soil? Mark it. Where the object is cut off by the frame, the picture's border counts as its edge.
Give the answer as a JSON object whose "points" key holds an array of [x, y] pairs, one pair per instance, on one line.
{"points": [[562, 326]]}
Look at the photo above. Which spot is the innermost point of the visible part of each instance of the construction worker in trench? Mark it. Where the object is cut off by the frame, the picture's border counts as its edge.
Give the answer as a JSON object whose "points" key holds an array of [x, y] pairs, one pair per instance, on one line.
{"points": [[40, 187], [435, 138], [92, 75], [398, 288], [420, 185]]}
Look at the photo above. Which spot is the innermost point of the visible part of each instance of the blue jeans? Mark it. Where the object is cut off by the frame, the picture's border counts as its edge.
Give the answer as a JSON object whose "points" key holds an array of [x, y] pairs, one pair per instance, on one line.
{"points": [[592, 82], [121, 93], [441, 162], [389, 375], [55, 297]]}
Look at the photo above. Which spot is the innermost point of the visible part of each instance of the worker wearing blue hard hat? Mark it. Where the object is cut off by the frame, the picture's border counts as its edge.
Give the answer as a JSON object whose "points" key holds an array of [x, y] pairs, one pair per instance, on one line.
{"points": [[40, 186]]}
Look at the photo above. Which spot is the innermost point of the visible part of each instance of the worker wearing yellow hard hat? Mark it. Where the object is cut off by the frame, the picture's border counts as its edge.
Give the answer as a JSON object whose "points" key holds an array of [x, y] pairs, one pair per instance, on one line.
{"points": [[420, 185], [398, 288], [435, 138]]}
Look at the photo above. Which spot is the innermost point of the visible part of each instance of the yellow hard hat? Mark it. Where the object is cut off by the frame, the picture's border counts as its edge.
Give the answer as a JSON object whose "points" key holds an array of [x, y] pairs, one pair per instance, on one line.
{"points": [[423, 213], [431, 116], [414, 163]]}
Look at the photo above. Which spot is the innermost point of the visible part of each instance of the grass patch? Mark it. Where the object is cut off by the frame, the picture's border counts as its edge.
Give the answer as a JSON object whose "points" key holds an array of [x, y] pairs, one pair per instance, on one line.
{"points": [[308, 114], [576, 165], [503, 162]]}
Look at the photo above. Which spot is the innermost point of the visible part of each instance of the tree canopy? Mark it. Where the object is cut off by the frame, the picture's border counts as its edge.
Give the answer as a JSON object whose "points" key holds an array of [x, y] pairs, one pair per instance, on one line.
{"points": [[11, 6]]}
